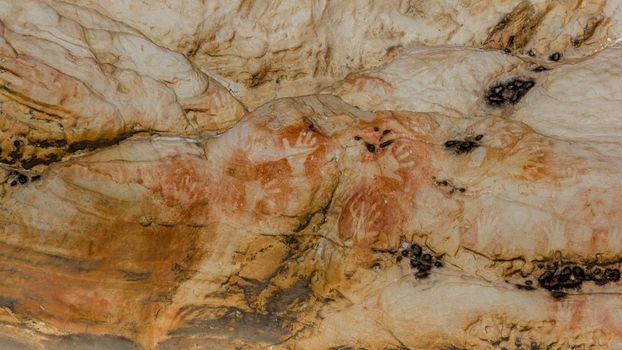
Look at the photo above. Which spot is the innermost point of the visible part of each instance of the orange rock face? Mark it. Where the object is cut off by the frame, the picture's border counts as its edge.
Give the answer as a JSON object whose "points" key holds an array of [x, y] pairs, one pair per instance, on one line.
{"points": [[156, 194]]}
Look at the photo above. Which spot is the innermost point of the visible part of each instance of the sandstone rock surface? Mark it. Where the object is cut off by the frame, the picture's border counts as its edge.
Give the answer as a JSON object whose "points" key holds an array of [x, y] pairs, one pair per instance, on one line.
{"points": [[310, 174]]}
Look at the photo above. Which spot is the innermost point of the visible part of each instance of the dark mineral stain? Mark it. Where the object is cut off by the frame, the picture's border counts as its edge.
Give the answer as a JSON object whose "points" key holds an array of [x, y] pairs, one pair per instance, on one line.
{"points": [[91, 342], [281, 300], [133, 276], [8, 302], [508, 92], [306, 220], [249, 325], [371, 148], [11, 344], [515, 29], [588, 31], [51, 261]]}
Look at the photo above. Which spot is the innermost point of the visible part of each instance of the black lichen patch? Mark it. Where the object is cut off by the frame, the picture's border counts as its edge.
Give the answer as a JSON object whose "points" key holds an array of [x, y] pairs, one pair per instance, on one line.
{"points": [[22, 179], [386, 143], [463, 146], [420, 259], [555, 57], [90, 145], [559, 278], [30, 163], [448, 186], [53, 143], [540, 69], [378, 145], [16, 178], [28, 153], [508, 92], [16, 152]]}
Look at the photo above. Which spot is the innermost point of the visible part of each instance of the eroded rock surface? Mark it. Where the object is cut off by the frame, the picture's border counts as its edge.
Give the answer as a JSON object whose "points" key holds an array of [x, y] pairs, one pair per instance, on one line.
{"points": [[436, 175]]}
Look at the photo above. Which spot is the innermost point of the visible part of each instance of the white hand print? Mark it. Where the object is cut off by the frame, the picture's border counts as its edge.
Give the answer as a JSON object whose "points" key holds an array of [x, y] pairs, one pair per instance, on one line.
{"points": [[363, 212], [487, 225], [305, 143], [404, 156]]}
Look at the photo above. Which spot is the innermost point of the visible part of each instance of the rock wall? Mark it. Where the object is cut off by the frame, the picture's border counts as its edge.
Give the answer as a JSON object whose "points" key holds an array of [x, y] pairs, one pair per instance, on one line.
{"points": [[310, 174]]}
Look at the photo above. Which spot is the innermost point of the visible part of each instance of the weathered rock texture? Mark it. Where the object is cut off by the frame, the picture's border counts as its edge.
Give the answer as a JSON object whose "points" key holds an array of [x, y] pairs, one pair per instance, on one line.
{"points": [[310, 174]]}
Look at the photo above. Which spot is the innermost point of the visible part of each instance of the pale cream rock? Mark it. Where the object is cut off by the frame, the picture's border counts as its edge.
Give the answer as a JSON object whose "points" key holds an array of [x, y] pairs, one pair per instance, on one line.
{"points": [[268, 50], [579, 102], [447, 80], [576, 101], [68, 85]]}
